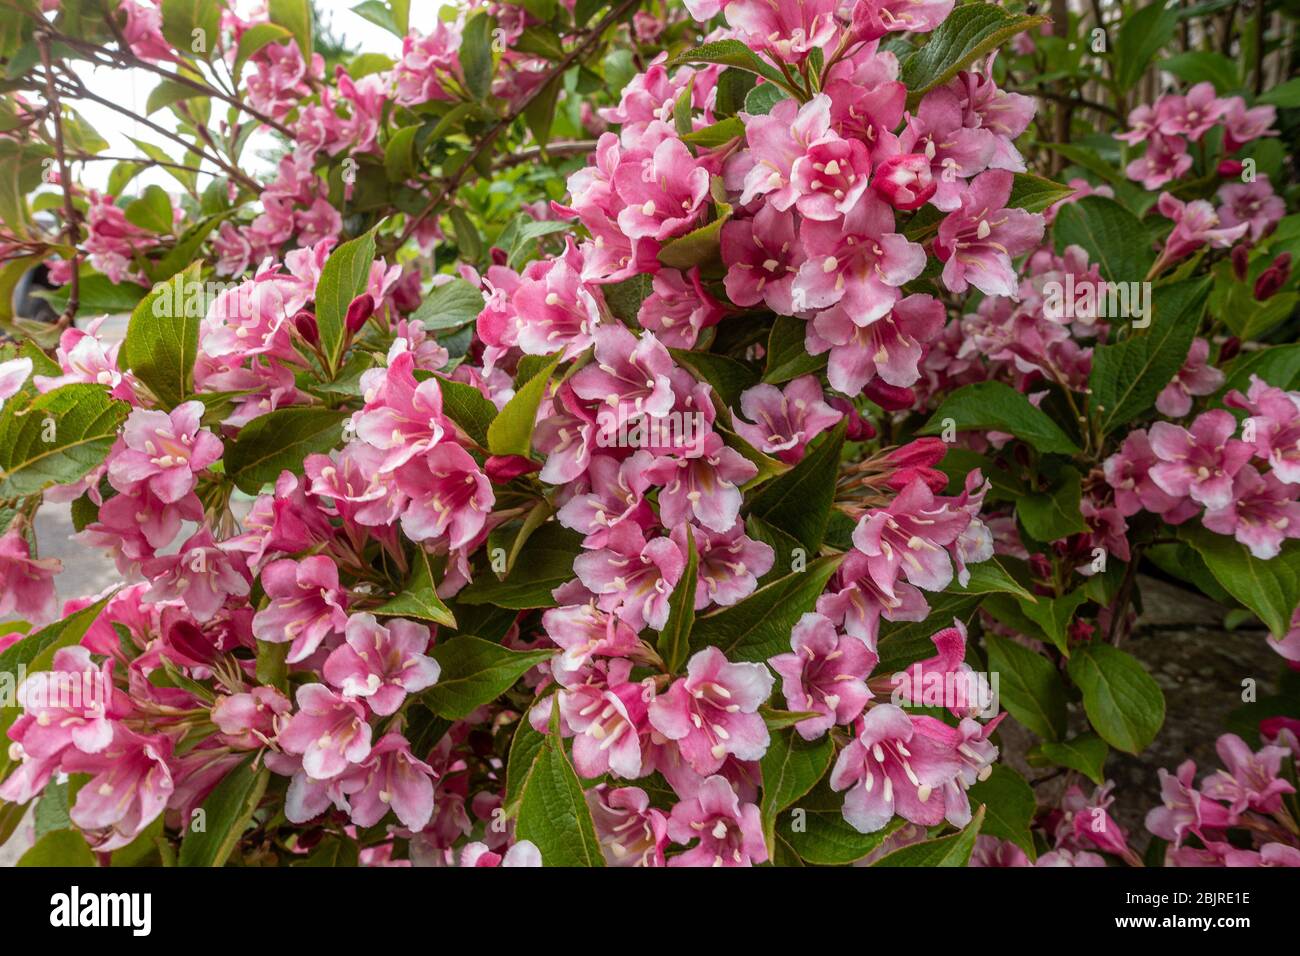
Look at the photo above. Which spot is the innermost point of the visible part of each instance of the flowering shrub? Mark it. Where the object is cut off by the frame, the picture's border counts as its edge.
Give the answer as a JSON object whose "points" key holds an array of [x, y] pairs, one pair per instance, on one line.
{"points": [[631, 435]]}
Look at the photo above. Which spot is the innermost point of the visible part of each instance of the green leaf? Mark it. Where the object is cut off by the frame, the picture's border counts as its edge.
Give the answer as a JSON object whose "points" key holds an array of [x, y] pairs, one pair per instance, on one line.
{"points": [[551, 551], [227, 812], [1010, 805], [331, 852], [1198, 66], [1127, 376], [949, 851], [799, 501], [903, 643], [997, 406], [539, 114], [180, 18], [790, 768], [278, 441], [294, 16], [254, 39], [342, 279], [466, 406], [151, 211], [1278, 365], [511, 433], [553, 811], [162, 338], [524, 748], [475, 672], [675, 638], [1054, 616], [1085, 753], [723, 131], [990, 577], [970, 32], [449, 306], [761, 98], [730, 53], [1142, 33], [1269, 588], [815, 829], [696, 248], [1034, 193], [399, 154], [1111, 235], [1053, 514], [727, 376], [787, 353], [62, 848], [1028, 685], [759, 626], [419, 597], [476, 54], [1125, 706], [1284, 96], [56, 439]]}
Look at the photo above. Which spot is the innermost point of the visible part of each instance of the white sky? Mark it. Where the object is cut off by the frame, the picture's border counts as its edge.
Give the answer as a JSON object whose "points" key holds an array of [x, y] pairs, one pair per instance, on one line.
{"points": [[132, 87]]}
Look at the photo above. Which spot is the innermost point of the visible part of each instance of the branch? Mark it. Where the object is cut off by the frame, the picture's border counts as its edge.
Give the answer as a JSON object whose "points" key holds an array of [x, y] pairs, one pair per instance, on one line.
{"points": [[576, 148]]}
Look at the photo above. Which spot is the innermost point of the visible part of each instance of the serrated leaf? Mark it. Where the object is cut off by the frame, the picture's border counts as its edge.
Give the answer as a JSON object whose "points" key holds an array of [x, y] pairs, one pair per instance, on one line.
{"points": [[342, 279], [419, 596], [228, 810], [1009, 807], [1124, 704], [1028, 685], [969, 32], [278, 441], [799, 501], [162, 338], [1085, 753], [947, 851], [997, 406], [512, 431], [475, 672], [56, 439], [791, 767], [553, 811]]}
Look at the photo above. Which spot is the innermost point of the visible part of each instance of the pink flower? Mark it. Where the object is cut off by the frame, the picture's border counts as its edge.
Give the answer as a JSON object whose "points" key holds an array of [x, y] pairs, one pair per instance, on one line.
{"points": [[1262, 514], [1128, 473], [1199, 463], [307, 605], [329, 732], [955, 151], [776, 141], [827, 673], [382, 663], [427, 64], [633, 581], [401, 417], [1195, 224], [678, 308], [1251, 779], [1141, 122], [890, 348], [713, 711], [1185, 810], [787, 29], [730, 564], [391, 778], [977, 241], [13, 374], [664, 193], [905, 181], [1241, 125], [449, 496], [630, 375], [163, 450], [1191, 115], [521, 854], [1275, 419], [202, 574], [583, 631], [631, 832], [608, 723], [730, 833], [247, 719], [1166, 159], [706, 488], [859, 262], [762, 258], [26, 583], [1254, 203], [612, 505], [785, 420], [130, 785], [873, 19], [1196, 377], [890, 768], [911, 537]]}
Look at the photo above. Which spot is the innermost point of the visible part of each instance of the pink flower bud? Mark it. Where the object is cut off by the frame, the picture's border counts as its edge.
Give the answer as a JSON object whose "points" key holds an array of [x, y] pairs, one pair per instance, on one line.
{"points": [[891, 398], [937, 481], [1230, 168], [905, 181], [361, 309], [1240, 256], [503, 468], [922, 453], [1269, 282], [305, 323], [857, 428], [1229, 349]]}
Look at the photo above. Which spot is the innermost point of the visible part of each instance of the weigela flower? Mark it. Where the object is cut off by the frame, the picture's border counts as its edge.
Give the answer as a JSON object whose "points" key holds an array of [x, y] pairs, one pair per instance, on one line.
{"points": [[762, 257], [729, 833], [382, 663], [26, 583], [449, 496], [329, 732], [390, 778], [977, 241], [1262, 514], [1250, 779], [1199, 463], [713, 711], [784, 420], [631, 832], [1253, 203], [163, 450], [826, 673], [1196, 377], [634, 581], [307, 605]]}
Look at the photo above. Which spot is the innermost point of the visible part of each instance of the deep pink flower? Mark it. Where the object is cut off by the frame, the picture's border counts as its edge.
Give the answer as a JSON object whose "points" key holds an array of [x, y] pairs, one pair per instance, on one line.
{"points": [[784, 420], [1196, 377], [889, 768], [1166, 159], [730, 833], [786, 29], [1251, 780], [911, 537], [608, 723], [1195, 224], [612, 506], [705, 489], [630, 375], [873, 19], [827, 673], [202, 574], [329, 732], [382, 663], [1241, 125], [1190, 115], [1275, 419], [633, 582], [762, 257], [247, 719], [307, 605], [26, 583], [164, 450], [401, 417], [955, 151], [449, 496], [905, 181], [1199, 463], [730, 563], [664, 193], [1185, 809], [631, 832], [713, 711], [890, 348], [978, 241], [1262, 514], [1253, 203], [130, 785], [1128, 473], [678, 308], [391, 778]]}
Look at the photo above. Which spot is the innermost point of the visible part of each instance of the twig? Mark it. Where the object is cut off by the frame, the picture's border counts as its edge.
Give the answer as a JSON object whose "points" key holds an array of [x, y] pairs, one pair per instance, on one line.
{"points": [[575, 148]]}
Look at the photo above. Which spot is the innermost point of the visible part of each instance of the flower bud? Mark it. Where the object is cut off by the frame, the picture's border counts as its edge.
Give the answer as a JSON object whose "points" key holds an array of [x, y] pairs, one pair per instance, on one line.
{"points": [[857, 427], [1230, 168], [1269, 282], [361, 309], [1240, 256], [503, 468], [936, 480], [305, 323], [905, 181], [922, 453], [891, 398], [1229, 349]]}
